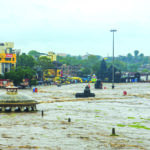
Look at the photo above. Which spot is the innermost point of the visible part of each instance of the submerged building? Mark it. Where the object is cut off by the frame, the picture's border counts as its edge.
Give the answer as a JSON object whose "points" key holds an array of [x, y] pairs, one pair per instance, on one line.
{"points": [[7, 57], [12, 101]]}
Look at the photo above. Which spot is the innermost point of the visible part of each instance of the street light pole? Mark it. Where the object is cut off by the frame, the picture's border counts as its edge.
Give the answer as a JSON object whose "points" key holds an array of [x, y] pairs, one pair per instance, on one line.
{"points": [[113, 30]]}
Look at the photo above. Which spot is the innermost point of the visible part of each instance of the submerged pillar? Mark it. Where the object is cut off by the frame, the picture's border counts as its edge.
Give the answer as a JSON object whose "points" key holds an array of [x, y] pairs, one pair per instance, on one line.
{"points": [[21, 108], [3, 108], [34, 107], [29, 108], [13, 109], [26, 109]]}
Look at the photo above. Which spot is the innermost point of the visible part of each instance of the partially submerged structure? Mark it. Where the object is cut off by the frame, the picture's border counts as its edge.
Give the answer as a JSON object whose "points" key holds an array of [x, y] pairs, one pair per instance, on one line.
{"points": [[98, 84], [86, 93], [12, 101]]}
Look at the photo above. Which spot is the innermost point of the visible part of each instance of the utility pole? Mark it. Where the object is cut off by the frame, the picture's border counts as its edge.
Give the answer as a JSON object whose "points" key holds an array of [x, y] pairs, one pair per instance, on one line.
{"points": [[113, 30]]}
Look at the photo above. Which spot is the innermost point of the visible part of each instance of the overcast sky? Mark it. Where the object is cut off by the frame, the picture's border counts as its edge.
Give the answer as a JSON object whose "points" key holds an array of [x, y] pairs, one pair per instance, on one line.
{"points": [[76, 27]]}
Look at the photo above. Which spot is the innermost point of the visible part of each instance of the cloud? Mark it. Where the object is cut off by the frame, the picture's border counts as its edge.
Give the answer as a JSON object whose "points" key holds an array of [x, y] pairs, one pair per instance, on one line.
{"points": [[70, 24]]}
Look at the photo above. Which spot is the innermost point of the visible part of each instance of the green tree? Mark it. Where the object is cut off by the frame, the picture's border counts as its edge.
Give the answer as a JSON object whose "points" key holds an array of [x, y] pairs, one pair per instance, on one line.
{"points": [[141, 57], [121, 65], [85, 71], [103, 70], [90, 62], [117, 74], [145, 70], [133, 67], [136, 52], [44, 63], [25, 61], [96, 68], [19, 74], [129, 57], [14, 76], [34, 53]]}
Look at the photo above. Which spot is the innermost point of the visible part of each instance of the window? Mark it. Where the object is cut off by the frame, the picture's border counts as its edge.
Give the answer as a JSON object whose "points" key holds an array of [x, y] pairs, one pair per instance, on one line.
{"points": [[8, 59], [6, 69]]}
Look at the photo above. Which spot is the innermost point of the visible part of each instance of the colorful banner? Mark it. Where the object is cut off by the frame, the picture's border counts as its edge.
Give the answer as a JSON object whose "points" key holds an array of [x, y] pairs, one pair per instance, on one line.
{"points": [[9, 55]]}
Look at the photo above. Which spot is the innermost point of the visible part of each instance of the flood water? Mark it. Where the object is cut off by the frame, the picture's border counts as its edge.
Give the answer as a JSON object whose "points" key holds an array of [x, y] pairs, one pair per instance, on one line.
{"points": [[92, 119]]}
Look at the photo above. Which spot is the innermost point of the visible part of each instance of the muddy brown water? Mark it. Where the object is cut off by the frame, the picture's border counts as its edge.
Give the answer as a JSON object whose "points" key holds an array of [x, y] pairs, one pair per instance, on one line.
{"points": [[92, 119]]}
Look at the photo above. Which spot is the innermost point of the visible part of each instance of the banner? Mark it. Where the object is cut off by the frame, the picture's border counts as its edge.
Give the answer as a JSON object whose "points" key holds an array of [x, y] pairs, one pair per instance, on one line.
{"points": [[9, 55]]}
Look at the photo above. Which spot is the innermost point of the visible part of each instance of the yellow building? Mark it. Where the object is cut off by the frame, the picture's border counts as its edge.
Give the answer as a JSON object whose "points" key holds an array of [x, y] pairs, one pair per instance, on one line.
{"points": [[7, 57], [49, 74], [52, 56]]}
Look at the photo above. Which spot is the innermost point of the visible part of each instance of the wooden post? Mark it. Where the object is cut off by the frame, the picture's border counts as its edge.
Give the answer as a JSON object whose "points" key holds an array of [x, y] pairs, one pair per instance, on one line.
{"points": [[69, 119], [113, 131], [42, 113]]}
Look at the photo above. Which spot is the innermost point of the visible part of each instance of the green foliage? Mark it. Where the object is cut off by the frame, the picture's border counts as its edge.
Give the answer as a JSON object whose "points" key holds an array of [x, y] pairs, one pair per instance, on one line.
{"points": [[97, 116], [88, 66], [131, 117], [25, 61], [133, 67], [44, 63], [18, 75], [34, 53], [136, 52], [130, 63], [120, 65], [70, 60], [28, 65], [121, 125], [134, 125], [33, 82], [117, 74], [14, 76], [60, 106], [96, 110], [103, 70], [85, 71], [145, 70], [96, 68], [139, 126], [129, 55], [1, 76]]}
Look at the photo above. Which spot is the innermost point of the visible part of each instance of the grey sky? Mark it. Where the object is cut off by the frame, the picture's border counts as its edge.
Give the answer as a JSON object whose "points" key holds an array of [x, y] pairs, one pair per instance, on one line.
{"points": [[76, 26]]}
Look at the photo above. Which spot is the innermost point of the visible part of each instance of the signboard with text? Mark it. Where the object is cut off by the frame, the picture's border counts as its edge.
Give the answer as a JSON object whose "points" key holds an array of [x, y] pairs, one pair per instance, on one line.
{"points": [[9, 55]]}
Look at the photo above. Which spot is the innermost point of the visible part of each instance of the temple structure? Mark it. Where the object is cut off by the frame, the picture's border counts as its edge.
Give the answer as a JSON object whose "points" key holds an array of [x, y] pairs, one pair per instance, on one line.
{"points": [[12, 101]]}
